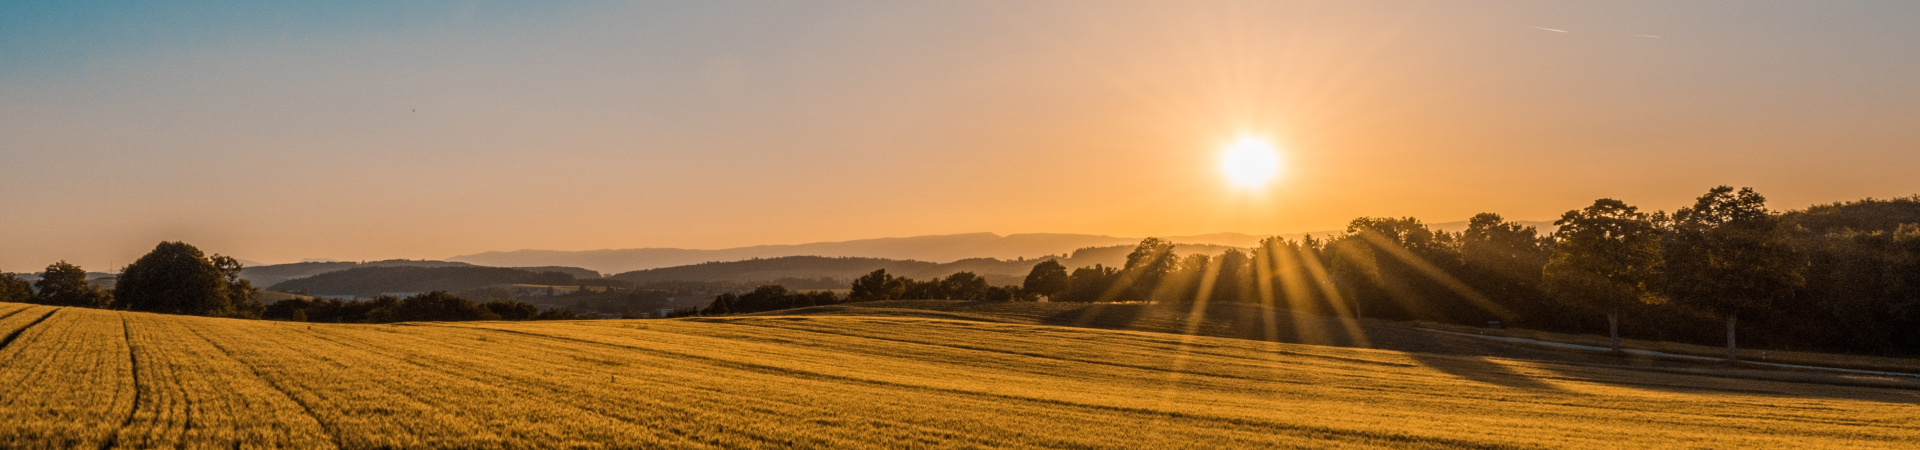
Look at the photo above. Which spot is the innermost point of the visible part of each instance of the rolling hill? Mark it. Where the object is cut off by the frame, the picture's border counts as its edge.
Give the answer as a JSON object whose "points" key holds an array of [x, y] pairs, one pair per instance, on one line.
{"points": [[271, 275], [997, 271], [941, 248], [371, 281], [114, 379]]}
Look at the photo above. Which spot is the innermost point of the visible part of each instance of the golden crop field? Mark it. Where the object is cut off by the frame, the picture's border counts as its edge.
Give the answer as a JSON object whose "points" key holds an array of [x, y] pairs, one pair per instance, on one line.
{"points": [[97, 379]]}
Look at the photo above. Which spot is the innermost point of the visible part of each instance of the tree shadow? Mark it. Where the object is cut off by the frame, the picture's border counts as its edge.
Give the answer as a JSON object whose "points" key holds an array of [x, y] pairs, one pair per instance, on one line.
{"points": [[1713, 378], [1480, 369], [1471, 358], [1113, 316]]}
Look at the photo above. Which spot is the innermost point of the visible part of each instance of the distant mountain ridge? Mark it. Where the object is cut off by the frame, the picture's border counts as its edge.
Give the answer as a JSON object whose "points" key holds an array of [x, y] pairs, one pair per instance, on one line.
{"points": [[370, 280], [937, 248], [270, 275], [997, 271]]}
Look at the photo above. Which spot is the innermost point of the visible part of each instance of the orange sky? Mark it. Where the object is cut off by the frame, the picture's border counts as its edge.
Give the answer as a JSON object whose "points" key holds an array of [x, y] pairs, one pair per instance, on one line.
{"points": [[376, 131]]}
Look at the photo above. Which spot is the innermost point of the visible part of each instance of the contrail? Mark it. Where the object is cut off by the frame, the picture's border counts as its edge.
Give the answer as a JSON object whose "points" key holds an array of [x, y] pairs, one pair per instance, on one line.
{"points": [[1646, 35], [1550, 29]]}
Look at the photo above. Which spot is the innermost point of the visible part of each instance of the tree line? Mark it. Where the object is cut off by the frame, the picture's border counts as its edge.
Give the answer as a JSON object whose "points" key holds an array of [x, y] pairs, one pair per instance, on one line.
{"points": [[874, 286], [177, 278], [436, 306], [1841, 277], [174, 278]]}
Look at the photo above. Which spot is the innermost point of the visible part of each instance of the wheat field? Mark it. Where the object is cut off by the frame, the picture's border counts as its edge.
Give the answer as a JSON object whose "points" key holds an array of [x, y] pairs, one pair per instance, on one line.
{"points": [[105, 379]]}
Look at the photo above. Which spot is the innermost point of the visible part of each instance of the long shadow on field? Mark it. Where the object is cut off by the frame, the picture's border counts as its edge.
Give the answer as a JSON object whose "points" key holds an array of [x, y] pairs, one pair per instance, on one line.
{"points": [[1708, 378], [1482, 370], [1099, 315], [1463, 356]]}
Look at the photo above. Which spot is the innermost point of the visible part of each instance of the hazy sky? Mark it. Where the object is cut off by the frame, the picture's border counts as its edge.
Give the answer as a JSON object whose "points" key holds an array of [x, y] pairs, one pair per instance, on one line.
{"points": [[374, 130]]}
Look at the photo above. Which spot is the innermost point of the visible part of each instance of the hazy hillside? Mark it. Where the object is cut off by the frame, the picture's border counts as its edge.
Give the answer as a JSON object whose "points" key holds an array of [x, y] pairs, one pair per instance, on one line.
{"points": [[997, 271], [263, 276], [920, 248], [376, 280], [577, 272], [85, 378]]}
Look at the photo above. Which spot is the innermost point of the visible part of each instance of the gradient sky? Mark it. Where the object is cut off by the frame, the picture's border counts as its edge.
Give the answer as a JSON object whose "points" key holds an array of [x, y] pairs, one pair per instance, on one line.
{"points": [[375, 130]]}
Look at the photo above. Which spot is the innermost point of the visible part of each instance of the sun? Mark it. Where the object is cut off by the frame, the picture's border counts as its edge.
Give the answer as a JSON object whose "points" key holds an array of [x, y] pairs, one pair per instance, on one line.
{"points": [[1250, 162]]}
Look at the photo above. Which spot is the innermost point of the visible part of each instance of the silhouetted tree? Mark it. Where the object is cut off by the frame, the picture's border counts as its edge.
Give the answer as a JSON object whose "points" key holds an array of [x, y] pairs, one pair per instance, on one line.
{"points": [[512, 310], [722, 305], [1233, 282], [175, 278], [1296, 276], [1728, 254], [1147, 265], [66, 285], [1605, 257], [771, 297], [964, 286], [1414, 267], [244, 298], [1186, 281], [439, 306], [1505, 260], [1047, 278], [382, 309], [1009, 294], [1355, 270], [922, 290], [876, 285], [1091, 284], [15, 290], [763, 298]]}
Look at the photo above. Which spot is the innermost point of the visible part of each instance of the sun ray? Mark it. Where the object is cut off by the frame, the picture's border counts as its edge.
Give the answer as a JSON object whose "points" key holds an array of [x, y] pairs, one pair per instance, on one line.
{"points": [[1335, 300], [1436, 274]]}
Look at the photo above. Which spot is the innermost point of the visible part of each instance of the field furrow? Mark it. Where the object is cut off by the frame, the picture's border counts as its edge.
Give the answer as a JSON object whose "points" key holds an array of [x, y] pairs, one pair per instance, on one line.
{"points": [[193, 395], [91, 378], [363, 403], [18, 320], [69, 381]]}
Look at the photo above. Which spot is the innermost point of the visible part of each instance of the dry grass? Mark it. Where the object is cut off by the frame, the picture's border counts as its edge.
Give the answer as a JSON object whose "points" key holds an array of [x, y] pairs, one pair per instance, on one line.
{"points": [[89, 378]]}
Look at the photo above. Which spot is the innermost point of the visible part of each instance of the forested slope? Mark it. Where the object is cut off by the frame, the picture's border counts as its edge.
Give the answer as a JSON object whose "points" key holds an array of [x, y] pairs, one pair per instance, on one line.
{"points": [[368, 281]]}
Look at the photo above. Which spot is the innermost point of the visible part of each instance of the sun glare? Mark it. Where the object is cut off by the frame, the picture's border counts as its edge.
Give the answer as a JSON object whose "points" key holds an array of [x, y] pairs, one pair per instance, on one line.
{"points": [[1250, 162]]}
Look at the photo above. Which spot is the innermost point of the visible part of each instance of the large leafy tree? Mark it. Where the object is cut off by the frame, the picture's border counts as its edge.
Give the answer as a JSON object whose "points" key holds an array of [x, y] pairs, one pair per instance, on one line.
{"points": [[175, 278], [1148, 265], [1728, 254], [1047, 278], [1605, 257], [65, 284]]}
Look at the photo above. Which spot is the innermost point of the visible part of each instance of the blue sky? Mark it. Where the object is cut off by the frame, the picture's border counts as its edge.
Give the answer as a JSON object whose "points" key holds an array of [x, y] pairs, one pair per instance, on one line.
{"points": [[369, 130]]}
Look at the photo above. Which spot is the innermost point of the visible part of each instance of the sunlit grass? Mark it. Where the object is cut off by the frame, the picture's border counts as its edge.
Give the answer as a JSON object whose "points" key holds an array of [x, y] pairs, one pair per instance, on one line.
{"points": [[90, 378]]}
